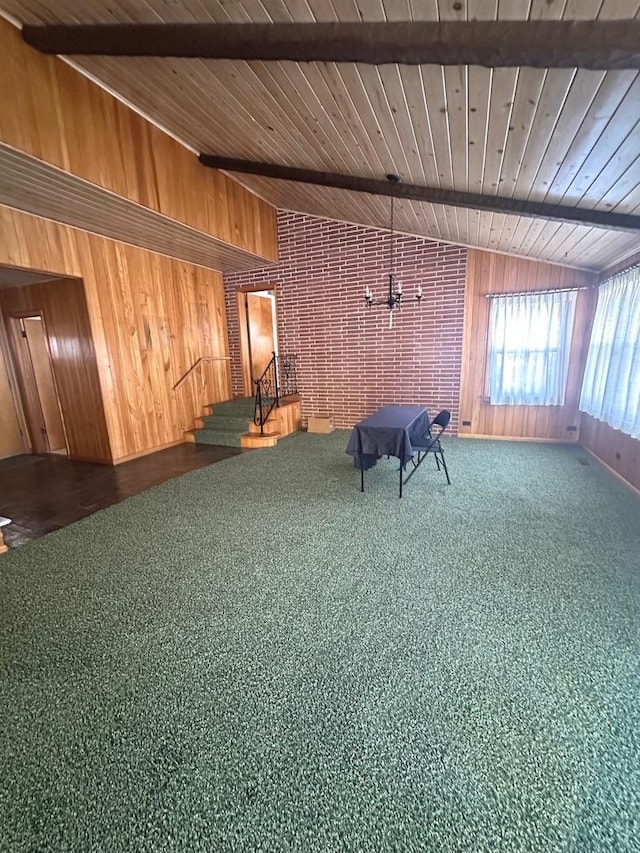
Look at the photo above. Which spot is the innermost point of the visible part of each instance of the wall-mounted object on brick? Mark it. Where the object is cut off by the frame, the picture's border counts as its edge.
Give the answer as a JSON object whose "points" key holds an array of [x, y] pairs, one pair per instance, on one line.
{"points": [[349, 362]]}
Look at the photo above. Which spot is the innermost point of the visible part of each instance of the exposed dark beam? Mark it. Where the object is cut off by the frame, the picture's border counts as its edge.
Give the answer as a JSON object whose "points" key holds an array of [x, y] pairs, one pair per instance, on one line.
{"points": [[537, 44], [434, 195]]}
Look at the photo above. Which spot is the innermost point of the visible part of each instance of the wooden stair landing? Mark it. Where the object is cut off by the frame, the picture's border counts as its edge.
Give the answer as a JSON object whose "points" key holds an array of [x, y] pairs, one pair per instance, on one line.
{"points": [[230, 424], [283, 420]]}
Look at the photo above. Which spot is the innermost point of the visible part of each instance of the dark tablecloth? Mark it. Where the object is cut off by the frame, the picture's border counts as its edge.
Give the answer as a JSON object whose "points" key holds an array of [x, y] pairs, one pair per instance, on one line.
{"points": [[387, 432]]}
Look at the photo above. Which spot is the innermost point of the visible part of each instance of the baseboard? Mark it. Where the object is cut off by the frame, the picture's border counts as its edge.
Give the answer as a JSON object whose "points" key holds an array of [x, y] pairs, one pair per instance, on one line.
{"points": [[610, 470], [148, 451], [93, 459], [517, 438]]}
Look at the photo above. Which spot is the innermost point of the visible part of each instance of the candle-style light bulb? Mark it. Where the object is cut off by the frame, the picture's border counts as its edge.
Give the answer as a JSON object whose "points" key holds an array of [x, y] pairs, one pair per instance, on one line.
{"points": [[419, 293]]}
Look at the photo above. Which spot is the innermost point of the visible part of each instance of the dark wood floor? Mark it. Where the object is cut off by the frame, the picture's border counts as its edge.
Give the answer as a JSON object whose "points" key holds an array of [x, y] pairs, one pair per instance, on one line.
{"points": [[44, 493]]}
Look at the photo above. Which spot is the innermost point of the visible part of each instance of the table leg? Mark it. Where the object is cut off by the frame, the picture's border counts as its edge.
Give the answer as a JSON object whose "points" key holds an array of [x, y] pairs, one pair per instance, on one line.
{"points": [[401, 479], [362, 479]]}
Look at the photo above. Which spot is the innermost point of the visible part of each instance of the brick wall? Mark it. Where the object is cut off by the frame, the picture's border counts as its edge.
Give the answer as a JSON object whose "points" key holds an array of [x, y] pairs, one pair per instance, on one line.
{"points": [[349, 361]]}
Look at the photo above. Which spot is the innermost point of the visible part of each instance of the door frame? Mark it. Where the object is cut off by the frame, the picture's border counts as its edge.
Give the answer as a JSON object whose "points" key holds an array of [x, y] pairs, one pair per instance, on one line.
{"points": [[243, 328]]}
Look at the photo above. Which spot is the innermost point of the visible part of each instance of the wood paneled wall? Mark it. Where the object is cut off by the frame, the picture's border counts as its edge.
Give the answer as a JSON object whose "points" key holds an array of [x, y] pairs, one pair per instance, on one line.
{"points": [[492, 273], [12, 440], [151, 319], [53, 112], [618, 451], [73, 359]]}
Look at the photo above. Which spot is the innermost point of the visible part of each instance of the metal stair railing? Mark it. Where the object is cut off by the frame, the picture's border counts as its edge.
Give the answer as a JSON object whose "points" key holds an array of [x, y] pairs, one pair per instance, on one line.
{"points": [[271, 388]]}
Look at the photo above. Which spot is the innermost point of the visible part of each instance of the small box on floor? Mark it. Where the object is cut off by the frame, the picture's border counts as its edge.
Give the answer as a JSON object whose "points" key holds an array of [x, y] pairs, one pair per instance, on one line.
{"points": [[320, 423]]}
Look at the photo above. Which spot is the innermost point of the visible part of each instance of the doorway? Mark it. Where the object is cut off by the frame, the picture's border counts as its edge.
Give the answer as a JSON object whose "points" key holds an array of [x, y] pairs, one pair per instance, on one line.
{"points": [[258, 333], [12, 429], [36, 384]]}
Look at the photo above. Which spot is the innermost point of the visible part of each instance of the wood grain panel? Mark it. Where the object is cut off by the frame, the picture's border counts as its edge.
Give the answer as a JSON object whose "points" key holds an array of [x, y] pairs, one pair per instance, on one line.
{"points": [[493, 273], [618, 451], [151, 318], [11, 440], [31, 409], [63, 307], [34, 186], [45, 382], [556, 135], [260, 315], [56, 114], [284, 420]]}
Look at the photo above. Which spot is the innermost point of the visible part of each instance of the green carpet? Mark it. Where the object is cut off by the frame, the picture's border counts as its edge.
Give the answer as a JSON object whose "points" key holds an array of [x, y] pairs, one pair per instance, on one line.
{"points": [[257, 657]]}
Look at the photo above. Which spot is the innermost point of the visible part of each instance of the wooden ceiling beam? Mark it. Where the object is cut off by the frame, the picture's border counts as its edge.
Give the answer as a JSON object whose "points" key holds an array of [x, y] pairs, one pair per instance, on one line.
{"points": [[433, 195], [495, 44]]}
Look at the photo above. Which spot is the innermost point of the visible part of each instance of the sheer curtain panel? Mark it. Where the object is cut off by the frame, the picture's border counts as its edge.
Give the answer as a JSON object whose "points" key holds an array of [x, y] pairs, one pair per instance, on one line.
{"points": [[611, 386], [530, 343]]}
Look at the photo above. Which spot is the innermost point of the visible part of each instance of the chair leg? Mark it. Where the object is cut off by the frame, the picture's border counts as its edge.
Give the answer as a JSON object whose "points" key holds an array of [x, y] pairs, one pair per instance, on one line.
{"points": [[437, 462], [444, 465]]}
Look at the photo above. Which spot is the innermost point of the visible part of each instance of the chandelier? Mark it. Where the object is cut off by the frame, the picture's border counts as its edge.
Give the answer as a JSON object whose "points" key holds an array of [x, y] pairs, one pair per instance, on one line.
{"points": [[393, 298]]}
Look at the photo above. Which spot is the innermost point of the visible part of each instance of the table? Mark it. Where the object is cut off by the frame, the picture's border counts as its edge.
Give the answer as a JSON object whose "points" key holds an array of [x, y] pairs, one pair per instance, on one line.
{"points": [[387, 432]]}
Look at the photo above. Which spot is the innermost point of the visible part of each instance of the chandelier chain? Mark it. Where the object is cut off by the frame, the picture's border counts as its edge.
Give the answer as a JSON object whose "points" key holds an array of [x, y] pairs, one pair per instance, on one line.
{"points": [[393, 299], [391, 241]]}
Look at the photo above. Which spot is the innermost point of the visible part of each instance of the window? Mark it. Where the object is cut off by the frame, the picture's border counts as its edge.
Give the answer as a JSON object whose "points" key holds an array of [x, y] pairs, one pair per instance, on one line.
{"points": [[611, 386], [530, 342]]}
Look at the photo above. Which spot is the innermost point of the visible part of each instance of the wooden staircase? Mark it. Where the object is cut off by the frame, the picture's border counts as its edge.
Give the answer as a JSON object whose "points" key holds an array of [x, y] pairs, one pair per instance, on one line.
{"points": [[230, 424], [283, 420]]}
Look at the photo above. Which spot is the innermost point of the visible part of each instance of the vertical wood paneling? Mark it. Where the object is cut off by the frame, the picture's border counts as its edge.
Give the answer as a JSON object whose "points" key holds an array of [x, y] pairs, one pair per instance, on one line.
{"points": [[45, 382], [11, 440], [53, 112], [151, 318], [619, 451], [73, 359], [493, 273]]}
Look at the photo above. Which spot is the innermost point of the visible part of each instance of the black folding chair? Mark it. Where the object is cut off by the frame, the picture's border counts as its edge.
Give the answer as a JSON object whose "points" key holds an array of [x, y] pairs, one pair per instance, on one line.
{"points": [[430, 443]]}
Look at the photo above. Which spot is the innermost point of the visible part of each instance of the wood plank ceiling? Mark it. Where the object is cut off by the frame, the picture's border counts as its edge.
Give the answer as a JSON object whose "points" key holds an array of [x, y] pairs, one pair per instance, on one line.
{"points": [[562, 136]]}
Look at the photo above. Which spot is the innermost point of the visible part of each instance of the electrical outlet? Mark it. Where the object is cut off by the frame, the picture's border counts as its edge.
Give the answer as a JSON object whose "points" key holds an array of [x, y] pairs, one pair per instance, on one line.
{"points": [[572, 428], [466, 423]]}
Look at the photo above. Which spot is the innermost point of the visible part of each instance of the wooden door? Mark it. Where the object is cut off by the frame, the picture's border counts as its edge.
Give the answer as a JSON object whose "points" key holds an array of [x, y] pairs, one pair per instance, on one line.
{"points": [[45, 382], [260, 332], [37, 384], [11, 439]]}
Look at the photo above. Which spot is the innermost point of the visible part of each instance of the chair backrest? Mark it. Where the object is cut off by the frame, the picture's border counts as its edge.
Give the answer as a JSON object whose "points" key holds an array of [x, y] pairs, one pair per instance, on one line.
{"points": [[441, 420]]}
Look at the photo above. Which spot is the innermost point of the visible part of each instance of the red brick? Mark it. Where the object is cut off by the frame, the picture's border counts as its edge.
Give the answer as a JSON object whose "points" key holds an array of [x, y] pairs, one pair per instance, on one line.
{"points": [[350, 362]]}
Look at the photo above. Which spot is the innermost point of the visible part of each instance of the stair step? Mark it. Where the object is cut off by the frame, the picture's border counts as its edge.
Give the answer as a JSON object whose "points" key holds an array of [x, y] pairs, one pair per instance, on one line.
{"points": [[241, 407], [226, 423], [215, 436], [255, 441]]}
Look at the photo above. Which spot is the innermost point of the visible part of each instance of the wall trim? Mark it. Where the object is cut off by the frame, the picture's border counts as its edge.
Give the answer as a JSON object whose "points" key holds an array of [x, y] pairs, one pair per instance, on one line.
{"points": [[611, 470]]}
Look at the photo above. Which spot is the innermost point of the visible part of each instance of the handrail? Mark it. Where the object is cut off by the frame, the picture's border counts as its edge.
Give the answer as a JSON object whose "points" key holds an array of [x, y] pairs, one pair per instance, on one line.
{"points": [[272, 387], [197, 363], [267, 394]]}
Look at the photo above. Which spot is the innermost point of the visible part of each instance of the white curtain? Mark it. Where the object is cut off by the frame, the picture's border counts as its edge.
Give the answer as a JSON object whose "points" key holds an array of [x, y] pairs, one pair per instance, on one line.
{"points": [[530, 342], [611, 386]]}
